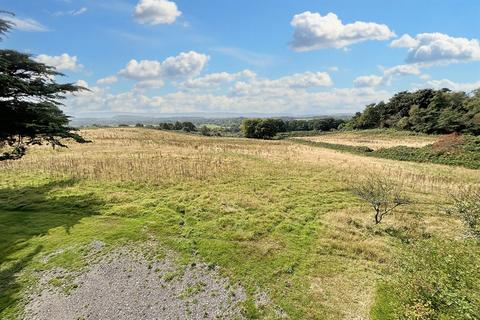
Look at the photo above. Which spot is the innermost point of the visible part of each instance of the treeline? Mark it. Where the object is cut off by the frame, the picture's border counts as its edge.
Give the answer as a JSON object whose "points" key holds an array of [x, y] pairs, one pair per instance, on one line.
{"points": [[268, 128], [427, 111], [186, 126]]}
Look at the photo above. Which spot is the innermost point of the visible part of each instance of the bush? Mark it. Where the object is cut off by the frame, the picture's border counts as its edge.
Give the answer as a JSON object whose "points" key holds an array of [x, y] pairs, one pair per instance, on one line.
{"points": [[382, 194], [434, 280], [467, 207], [448, 143]]}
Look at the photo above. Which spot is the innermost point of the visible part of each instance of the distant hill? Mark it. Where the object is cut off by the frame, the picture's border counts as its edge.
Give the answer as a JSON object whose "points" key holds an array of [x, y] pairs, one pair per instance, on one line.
{"points": [[196, 118]]}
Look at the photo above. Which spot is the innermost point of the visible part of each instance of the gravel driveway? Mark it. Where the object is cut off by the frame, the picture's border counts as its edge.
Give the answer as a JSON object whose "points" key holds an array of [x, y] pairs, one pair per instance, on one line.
{"points": [[125, 285]]}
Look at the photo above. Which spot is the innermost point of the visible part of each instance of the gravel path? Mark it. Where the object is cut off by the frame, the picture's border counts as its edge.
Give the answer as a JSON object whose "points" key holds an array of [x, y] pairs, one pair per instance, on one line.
{"points": [[125, 285]]}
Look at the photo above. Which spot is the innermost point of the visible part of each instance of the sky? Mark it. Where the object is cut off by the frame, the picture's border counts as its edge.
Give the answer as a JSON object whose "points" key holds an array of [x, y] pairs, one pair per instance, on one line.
{"points": [[278, 57]]}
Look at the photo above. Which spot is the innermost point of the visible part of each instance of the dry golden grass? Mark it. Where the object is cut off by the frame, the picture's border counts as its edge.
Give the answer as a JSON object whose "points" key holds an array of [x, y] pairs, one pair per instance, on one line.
{"points": [[143, 155], [374, 141]]}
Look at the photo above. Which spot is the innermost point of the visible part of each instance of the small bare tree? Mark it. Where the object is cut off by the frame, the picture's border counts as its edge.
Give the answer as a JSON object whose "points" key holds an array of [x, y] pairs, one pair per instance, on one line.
{"points": [[466, 205], [382, 194]]}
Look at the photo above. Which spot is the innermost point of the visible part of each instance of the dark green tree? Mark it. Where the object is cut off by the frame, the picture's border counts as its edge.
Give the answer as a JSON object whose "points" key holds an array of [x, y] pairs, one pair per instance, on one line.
{"points": [[188, 126], [29, 103]]}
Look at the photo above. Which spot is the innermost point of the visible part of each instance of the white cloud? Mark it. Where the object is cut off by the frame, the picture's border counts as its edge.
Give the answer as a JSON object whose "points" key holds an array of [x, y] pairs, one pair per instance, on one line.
{"points": [[295, 94], [186, 64], [140, 70], [282, 100], [24, 24], [155, 12], [405, 41], [150, 84], [367, 81], [388, 75], [79, 11], [456, 86], [438, 48], [71, 12], [314, 31], [215, 79], [295, 82], [107, 80], [402, 69], [63, 62]]}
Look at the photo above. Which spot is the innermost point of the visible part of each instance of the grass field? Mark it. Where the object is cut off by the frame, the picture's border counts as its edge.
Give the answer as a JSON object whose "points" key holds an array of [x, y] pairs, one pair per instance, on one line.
{"points": [[277, 217], [375, 139]]}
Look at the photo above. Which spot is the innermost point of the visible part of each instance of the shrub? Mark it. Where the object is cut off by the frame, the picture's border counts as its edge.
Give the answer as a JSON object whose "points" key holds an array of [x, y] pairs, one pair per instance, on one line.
{"points": [[382, 194], [448, 143], [434, 280], [467, 207]]}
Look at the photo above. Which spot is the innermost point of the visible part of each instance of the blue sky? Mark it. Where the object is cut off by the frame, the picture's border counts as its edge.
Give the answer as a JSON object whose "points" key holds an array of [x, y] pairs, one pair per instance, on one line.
{"points": [[269, 56]]}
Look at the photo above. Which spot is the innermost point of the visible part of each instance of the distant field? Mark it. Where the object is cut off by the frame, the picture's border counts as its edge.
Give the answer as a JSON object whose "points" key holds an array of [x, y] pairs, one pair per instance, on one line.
{"points": [[375, 139], [275, 217]]}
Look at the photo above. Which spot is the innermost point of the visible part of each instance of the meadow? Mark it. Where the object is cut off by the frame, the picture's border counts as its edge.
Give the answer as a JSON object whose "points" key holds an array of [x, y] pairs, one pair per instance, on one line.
{"points": [[277, 217], [376, 138]]}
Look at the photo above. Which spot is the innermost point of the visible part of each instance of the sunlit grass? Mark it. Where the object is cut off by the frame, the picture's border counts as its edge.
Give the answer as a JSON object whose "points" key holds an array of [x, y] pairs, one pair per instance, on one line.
{"points": [[375, 139], [277, 217]]}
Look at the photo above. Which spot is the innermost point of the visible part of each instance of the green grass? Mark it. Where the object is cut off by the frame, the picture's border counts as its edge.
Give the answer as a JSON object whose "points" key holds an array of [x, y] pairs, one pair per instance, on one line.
{"points": [[261, 229], [432, 279]]}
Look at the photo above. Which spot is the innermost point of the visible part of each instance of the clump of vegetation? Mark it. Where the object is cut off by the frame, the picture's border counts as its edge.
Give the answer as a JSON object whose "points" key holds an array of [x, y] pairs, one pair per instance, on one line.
{"points": [[435, 279], [452, 150], [428, 111], [382, 194], [30, 97], [186, 126], [466, 205], [268, 128]]}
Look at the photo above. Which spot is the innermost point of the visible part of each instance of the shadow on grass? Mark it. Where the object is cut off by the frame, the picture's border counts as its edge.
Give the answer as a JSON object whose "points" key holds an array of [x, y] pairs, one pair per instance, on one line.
{"points": [[28, 212]]}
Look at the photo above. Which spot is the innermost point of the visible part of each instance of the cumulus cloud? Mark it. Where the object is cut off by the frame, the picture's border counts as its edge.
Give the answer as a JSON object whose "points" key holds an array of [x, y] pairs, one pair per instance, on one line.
{"points": [[107, 80], [282, 100], [402, 69], [388, 75], [155, 12], [24, 24], [298, 81], [434, 48], [405, 41], [140, 70], [314, 31], [150, 84], [216, 79], [367, 81], [186, 64], [456, 86], [302, 93], [63, 62]]}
